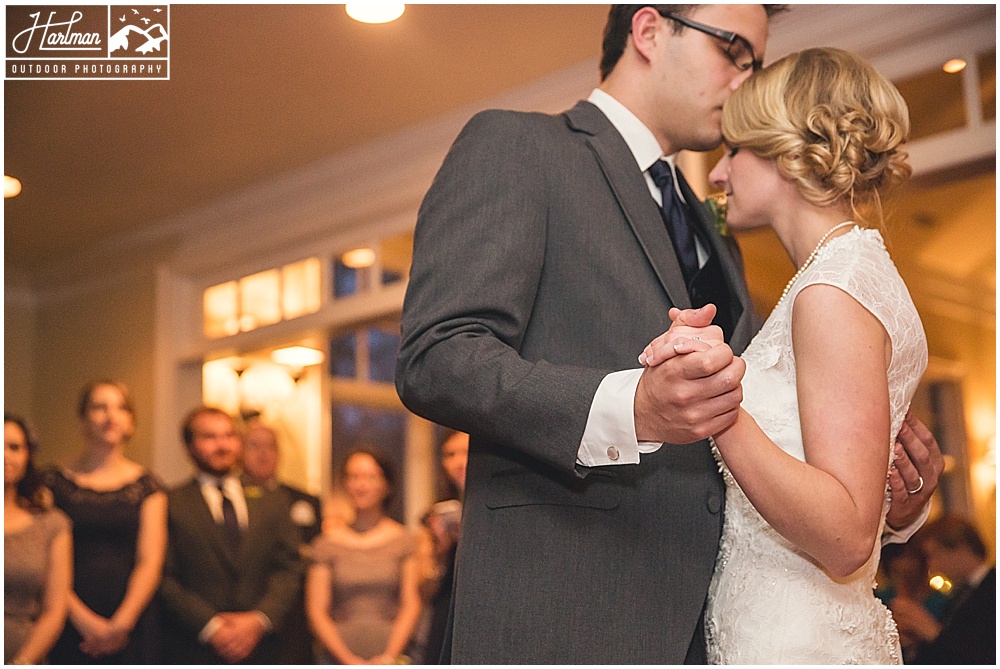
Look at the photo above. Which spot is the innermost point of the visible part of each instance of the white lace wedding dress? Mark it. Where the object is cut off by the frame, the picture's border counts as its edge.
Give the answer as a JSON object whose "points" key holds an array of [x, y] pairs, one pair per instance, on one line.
{"points": [[770, 603]]}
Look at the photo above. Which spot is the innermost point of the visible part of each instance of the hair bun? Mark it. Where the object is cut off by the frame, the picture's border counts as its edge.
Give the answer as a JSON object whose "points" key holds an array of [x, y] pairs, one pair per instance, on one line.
{"points": [[832, 123]]}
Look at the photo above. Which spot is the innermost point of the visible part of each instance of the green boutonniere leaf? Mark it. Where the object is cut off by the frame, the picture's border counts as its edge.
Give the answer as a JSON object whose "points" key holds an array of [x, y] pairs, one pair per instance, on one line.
{"points": [[717, 209]]}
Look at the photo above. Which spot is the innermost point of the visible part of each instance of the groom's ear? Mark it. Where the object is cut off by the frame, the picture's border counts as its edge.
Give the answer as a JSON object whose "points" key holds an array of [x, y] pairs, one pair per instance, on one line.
{"points": [[647, 32]]}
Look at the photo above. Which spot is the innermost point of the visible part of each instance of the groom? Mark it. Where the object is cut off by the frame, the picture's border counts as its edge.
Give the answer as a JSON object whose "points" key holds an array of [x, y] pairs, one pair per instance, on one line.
{"points": [[546, 256]]}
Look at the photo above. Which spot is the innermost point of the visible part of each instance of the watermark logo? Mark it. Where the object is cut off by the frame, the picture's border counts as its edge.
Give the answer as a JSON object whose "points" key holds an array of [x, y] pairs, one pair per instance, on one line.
{"points": [[103, 42]]}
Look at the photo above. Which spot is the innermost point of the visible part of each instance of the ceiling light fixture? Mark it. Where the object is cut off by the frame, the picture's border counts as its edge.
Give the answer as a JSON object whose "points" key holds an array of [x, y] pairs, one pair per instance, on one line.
{"points": [[359, 258], [297, 356], [954, 65], [375, 12], [11, 186]]}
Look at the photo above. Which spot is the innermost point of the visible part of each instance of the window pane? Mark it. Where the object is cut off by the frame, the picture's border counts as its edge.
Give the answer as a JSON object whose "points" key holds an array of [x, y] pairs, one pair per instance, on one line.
{"points": [[260, 299], [383, 349], [221, 310], [935, 102], [300, 288], [345, 280], [988, 84], [382, 430], [343, 356]]}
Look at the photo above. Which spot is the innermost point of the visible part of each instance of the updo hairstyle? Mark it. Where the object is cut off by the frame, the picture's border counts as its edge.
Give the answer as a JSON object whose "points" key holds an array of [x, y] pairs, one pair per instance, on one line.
{"points": [[833, 125]]}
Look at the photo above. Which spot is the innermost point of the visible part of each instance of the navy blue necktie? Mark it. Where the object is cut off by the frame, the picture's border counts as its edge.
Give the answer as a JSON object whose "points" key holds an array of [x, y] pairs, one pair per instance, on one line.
{"points": [[675, 217], [230, 524]]}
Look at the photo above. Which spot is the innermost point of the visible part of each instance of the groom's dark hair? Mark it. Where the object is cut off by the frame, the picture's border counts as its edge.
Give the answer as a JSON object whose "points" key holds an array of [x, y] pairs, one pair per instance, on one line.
{"points": [[619, 26]]}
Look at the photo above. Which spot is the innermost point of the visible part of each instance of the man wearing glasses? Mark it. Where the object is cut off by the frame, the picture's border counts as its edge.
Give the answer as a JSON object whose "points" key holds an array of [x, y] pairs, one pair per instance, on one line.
{"points": [[547, 254]]}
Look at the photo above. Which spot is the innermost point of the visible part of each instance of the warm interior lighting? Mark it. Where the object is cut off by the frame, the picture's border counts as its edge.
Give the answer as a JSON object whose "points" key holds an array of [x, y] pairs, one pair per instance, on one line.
{"points": [[260, 299], [954, 65], [940, 583], [11, 186], [300, 287], [375, 12], [359, 258], [221, 310], [297, 357]]}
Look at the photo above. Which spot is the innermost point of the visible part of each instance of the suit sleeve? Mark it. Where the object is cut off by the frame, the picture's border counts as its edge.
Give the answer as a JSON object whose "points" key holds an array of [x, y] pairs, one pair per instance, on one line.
{"points": [[479, 252]]}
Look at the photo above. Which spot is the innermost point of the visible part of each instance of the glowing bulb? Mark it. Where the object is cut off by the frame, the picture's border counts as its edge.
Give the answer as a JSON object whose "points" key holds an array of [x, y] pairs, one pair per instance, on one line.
{"points": [[375, 12], [359, 258], [11, 186], [940, 583], [954, 65]]}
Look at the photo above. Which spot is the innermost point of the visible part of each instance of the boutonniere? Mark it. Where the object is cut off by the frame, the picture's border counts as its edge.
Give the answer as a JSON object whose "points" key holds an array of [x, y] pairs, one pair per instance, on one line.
{"points": [[716, 205], [253, 492]]}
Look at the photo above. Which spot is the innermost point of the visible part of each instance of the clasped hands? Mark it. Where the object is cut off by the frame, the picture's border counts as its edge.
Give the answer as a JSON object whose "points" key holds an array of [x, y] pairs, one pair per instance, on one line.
{"points": [[690, 387], [237, 636]]}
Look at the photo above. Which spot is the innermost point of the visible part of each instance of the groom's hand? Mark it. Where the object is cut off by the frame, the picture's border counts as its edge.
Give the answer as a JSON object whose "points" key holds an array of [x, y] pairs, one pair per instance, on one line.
{"points": [[915, 473], [689, 397]]}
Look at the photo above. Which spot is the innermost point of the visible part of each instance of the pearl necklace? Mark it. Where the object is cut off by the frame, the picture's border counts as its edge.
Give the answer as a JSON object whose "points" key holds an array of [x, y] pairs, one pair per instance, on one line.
{"points": [[809, 260]]}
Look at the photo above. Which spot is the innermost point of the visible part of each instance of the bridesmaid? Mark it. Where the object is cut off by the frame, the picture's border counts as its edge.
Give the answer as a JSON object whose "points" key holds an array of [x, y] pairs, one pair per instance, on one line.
{"points": [[362, 597], [37, 553], [119, 513]]}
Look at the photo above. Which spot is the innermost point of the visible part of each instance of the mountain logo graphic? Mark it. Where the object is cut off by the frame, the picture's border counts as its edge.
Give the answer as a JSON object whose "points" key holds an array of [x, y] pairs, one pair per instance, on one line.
{"points": [[139, 34]]}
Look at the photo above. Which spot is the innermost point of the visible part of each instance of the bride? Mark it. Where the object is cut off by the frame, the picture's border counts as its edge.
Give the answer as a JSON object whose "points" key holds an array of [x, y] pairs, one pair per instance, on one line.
{"points": [[812, 141]]}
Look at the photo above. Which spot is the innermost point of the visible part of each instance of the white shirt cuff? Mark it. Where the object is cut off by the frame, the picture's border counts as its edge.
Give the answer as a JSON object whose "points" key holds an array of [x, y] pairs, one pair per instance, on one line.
{"points": [[609, 437], [209, 630], [894, 536]]}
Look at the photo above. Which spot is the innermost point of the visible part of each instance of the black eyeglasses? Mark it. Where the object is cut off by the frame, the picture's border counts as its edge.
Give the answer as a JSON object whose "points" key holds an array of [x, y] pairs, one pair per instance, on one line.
{"points": [[738, 49]]}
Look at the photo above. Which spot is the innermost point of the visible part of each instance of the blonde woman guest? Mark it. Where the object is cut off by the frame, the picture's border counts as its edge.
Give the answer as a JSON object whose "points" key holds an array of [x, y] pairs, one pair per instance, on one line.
{"points": [[362, 590], [37, 553], [812, 143], [118, 511]]}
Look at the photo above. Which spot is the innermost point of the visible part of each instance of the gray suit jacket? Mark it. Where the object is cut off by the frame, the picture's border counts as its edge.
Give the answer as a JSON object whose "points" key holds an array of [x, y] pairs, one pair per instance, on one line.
{"points": [[202, 576], [541, 263]]}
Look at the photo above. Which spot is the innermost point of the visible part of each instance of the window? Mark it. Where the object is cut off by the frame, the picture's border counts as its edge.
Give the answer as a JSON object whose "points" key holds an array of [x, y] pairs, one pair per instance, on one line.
{"points": [[263, 298]]}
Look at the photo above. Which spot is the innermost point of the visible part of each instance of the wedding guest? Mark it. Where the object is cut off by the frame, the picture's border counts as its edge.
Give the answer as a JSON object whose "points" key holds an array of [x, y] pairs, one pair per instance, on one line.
{"points": [[261, 456], [260, 471], [37, 553], [119, 514], [233, 570], [362, 597], [813, 143], [907, 577], [966, 633], [439, 543]]}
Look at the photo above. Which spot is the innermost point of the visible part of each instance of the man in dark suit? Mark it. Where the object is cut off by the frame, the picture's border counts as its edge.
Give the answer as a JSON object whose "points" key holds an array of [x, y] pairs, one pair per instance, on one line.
{"points": [[261, 455], [967, 631], [547, 254], [232, 570]]}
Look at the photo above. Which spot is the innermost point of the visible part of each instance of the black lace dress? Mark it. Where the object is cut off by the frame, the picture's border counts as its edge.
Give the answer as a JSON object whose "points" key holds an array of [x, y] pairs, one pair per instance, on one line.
{"points": [[105, 528]]}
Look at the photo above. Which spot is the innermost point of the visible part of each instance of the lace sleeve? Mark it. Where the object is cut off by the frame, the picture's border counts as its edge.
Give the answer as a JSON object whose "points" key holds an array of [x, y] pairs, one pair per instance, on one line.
{"points": [[859, 264]]}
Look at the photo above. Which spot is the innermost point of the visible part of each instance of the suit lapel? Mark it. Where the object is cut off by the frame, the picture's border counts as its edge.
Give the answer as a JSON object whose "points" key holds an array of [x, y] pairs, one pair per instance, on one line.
{"points": [[731, 268], [207, 527], [630, 189], [253, 519]]}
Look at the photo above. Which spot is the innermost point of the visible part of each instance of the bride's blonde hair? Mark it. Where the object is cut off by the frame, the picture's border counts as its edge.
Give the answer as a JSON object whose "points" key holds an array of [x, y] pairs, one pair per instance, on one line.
{"points": [[834, 126]]}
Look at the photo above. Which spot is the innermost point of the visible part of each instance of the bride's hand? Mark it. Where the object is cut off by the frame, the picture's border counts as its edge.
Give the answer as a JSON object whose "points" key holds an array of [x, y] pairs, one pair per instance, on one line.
{"points": [[690, 331]]}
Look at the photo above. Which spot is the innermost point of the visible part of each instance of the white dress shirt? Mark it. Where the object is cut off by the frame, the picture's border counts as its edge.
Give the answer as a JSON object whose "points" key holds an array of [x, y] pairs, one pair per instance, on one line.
{"points": [[609, 437], [233, 490]]}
